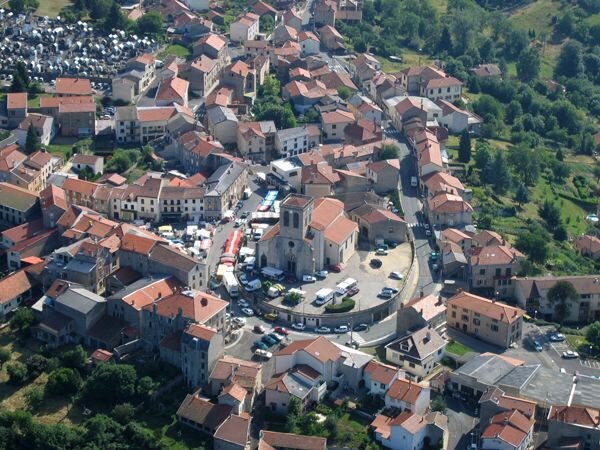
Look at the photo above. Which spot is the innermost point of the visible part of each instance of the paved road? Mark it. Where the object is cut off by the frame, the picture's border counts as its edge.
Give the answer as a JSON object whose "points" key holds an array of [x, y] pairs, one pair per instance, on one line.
{"points": [[414, 216]]}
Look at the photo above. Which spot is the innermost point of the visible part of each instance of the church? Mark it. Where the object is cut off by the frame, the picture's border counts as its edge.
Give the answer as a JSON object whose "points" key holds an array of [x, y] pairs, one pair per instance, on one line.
{"points": [[311, 235]]}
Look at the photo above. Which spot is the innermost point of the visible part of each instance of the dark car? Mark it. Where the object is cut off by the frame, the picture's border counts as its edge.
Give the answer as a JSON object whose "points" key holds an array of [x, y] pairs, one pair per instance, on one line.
{"points": [[259, 329], [353, 291], [245, 214], [361, 327], [336, 268], [376, 263]]}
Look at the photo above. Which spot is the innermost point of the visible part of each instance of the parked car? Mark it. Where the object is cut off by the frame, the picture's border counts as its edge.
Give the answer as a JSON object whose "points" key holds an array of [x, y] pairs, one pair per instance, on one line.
{"points": [[336, 268], [271, 316], [396, 275], [428, 233], [245, 215], [263, 353], [537, 346], [243, 303], [261, 345], [239, 320], [243, 278], [268, 340], [353, 291], [557, 337], [308, 279], [385, 294], [570, 354], [341, 329], [257, 312], [376, 263], [248, 311], [281, 330], [275, 337], [352, 344], [290, 278], [299, 326], [393, 290], [323, 330], [321, 274], [361, 327], [381, 252], [259, 329]]}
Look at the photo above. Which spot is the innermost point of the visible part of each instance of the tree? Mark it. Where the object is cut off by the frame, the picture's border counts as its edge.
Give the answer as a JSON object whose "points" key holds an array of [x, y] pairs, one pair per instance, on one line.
{"points": [[111, 383], [560, 233], [267, 24], [123, 413], [513, 111], [464, 147], [64, 381], [116, 19], [560, 156], [596, 171], [560, 171], [76, 358], [22, 320], [145, 386], [99, 9], [32, 142], [488, 105], [151, 24], [4, 356], [293, 414], [525, 162], [559, 295], [17, 85], [496, 173], [522, 195], [36, 364], [17, 373], [528, 64], [535, 244], [550, 212], [439, 404], [344, 92], [593, 334], [389, 151], [483, 154], [34, 397], [22, 6], [570, 60]]}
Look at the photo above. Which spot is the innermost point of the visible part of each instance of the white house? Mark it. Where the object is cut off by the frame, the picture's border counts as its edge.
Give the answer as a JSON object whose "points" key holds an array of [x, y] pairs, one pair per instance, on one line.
{"points": [[309, 43], [410, 431], [508, 430], [379, 377], [197, 5], [245, 28], [406, 395]]}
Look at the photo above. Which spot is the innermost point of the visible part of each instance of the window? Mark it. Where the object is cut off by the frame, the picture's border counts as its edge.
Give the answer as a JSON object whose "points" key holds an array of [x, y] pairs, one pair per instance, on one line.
{"points": [[453, 313], [286, 219], [494, 327], [465, 318], [296, 220], [498, 272], [481, 271], [476, 322]]}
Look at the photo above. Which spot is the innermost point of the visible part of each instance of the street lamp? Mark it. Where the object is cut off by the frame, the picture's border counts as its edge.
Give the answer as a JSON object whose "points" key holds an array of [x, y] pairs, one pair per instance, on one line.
{"points": [[535, 315]]}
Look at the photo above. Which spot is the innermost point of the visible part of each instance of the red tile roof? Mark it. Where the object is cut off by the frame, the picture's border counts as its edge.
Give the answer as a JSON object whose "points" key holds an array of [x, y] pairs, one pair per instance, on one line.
{"points": [[405, 391], [381, 373], [14, 285], [16, 100], [488, 308], [73, 86], [274, 439], [173, 89], [319, 348], [201, 331]]}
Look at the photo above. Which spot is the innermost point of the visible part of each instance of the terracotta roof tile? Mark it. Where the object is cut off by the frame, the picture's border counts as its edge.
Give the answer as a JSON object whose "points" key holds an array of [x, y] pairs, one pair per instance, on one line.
{"points": [[404, 390], [73, 86], [488, 308], [291, 441], [16, 100], [319, 348], [14, 285], [382, 373]]}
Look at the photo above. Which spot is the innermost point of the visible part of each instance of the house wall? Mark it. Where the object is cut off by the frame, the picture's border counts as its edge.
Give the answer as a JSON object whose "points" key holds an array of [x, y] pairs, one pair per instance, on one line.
{"points": [[559, 430]]}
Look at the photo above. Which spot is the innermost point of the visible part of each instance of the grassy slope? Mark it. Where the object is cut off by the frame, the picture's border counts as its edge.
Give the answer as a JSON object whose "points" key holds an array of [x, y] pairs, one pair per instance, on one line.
{"points": [[51, 8]]}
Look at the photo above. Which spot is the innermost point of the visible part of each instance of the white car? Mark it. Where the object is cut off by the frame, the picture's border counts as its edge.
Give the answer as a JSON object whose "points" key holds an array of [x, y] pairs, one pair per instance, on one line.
{"points": [[570, 354], [243, 303], [239, 320], [248, 311], [323, 330], [341, 329], [308, 279], [322, 274], [299, 326], [396, 275], [381, 252], [263, 353]]}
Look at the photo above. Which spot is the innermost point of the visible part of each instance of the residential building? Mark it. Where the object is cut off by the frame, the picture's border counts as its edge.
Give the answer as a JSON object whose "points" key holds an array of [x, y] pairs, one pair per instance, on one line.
{"points": [[68, 87], [384, 175], [309, 43], [123, 89], [92, 162], [145, 124], [293, 141], [333, 124], [201, 414], [406, 395], [286, 173], [44, 126], [15, 288], [204, 74], [240, 77], [332, 236], [486, 71], [488, 320], [318, 180], [457, 120], [379, 377], [411, 431], [588, 246], [531, 293], [229, 370], [233, 433], [417, 352], [324, 13], [509, 430], [16, 108], [77, 119], [172, 90], [331, 39], [245, 28], [448, 88], [414, 77], [224, 188], [376, 223], [222, 123], [573, 426], [301, 382], [194, 148], [255, 139], [17, 205], [215, 47], [365, 68], [448, 210], [493, 268], [494, 401], [287, 441]]}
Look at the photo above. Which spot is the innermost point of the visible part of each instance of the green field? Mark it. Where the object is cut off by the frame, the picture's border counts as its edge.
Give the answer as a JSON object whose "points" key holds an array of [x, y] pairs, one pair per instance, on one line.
{"points": [[409, 58], [457, 348], [174, 49], [51, 8]]}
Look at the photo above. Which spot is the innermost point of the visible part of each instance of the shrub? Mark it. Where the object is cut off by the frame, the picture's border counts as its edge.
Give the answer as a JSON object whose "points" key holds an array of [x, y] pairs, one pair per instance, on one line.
{"points": [[123, 413], [64, 381], [346, 305], [34, 397], [36, 364], [17, 373]]}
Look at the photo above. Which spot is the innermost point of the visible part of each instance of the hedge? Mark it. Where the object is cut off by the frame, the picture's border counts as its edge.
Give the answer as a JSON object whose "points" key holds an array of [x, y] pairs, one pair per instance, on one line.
{"points": [[346, 305]]}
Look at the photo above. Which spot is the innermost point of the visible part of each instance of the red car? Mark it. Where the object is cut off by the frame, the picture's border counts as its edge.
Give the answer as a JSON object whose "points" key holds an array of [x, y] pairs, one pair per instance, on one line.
{"points": [[335, 268], [259, 329], [352, 291], [281, 330]]}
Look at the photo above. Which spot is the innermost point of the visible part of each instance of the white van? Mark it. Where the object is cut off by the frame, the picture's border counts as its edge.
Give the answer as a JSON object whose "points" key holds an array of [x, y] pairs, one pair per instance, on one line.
{"points": [[323, 296], [413, 181], [258, 234]]}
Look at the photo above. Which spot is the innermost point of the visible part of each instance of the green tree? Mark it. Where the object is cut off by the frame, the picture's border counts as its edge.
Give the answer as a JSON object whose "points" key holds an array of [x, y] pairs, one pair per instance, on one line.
{"points": [[151, 24], [22, 6], [522, 195], [596, 171], [559, 296], [34, 397], [76, 358], [4, 356], [17, 85], [528, 64], [22, 321], [64, 381], [267, 24], [513, 111], [593, 334], [115, 18], [560, 233], [293, 415], [271, 87], [560, 170], [36, 364], [389, 151], [17, 373], [497, 174], [464, 147], [570, 60], [145, 386], [439, 404], [123, 413], [488, 106], [344, 92], [32, 141], [99, 9], [550, 212], [483, 154], [535, 245], [111, 383], [525, 163]]}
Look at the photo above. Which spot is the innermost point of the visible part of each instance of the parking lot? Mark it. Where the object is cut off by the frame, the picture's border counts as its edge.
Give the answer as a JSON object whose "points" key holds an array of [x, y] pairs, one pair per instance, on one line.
{"points": [[370, 280], [244, 349]]}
